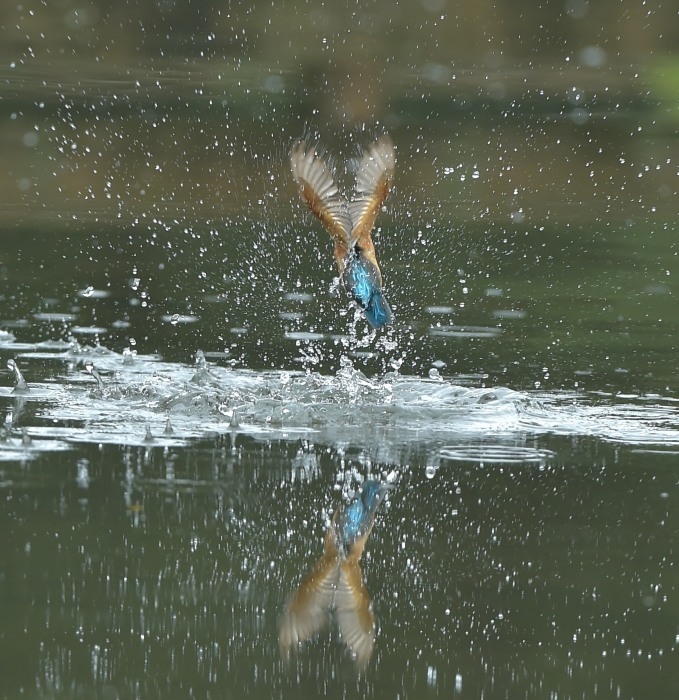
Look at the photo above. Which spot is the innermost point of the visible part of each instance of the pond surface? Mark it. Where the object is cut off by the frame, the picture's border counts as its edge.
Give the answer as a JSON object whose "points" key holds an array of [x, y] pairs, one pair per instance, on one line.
{"points": [[156, 519], [188, 396]]}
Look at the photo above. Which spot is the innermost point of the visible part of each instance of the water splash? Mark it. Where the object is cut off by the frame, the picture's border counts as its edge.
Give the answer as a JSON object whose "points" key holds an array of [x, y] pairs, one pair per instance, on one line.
{"points": [[89, 368], [386, 415], [20, 385]]}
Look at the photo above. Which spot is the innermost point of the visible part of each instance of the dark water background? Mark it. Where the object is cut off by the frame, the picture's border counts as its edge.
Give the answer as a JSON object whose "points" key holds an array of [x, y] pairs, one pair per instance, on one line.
{"points": [[525, 405]]}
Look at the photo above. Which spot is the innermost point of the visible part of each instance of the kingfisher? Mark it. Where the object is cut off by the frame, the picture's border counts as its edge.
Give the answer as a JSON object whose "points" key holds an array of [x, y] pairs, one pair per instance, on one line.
{"points": [[351, 222], [335, 583]]}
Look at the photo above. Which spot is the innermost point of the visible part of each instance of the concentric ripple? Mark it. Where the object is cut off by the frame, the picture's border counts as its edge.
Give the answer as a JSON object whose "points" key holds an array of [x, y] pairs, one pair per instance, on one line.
{"points": [[495, 454]]}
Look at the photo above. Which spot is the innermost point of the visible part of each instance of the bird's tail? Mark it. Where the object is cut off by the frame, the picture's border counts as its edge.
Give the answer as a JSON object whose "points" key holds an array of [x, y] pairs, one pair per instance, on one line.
{"points": [[378, 312], [363, 281]]}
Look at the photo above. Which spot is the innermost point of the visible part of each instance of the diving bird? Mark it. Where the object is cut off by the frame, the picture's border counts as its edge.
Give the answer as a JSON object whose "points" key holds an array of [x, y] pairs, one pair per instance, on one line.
{"points": [[335, 583], [350, 223]]}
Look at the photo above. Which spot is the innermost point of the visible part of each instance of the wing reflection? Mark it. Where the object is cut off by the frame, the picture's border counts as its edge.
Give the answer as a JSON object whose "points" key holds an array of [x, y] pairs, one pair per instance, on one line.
{"points": [[335, 584]]}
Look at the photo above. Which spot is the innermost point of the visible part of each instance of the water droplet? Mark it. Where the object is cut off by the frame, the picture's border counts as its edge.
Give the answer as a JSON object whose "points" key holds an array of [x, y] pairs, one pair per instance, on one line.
{"points": [[129, 356], [89, 367], [20, 384], [395, 363], [345, 362], [83, 474]]}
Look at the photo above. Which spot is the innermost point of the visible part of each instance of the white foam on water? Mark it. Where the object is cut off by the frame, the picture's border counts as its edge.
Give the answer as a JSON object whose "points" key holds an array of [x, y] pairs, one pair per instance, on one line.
{"points": [[384, 413]]}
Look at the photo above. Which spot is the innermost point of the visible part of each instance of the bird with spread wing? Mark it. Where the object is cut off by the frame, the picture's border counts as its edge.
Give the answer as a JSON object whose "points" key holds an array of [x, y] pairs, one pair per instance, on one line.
{"points": [[335, 583], [350, 223]]}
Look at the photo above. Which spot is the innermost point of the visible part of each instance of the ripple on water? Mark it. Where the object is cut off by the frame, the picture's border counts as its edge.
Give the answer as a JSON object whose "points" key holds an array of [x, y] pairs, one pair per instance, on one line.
{"points": [[88, 330], [465, 331], [304, 335], [495, 454], [55, 316], [25, 448]]}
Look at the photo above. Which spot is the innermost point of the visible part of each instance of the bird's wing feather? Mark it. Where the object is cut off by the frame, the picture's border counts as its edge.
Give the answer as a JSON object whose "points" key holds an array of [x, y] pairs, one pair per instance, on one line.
{"points": [[354, 612], [374, 179], [307, 610], [319, 191]]}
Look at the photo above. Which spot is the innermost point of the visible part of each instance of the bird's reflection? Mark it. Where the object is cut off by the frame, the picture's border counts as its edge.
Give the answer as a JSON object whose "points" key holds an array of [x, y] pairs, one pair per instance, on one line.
{"points": [[350, 223], [335, 583]]}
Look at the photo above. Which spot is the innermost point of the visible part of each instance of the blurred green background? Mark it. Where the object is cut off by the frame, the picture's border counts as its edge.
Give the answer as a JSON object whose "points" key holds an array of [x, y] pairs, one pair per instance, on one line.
{"points": [[567, 110]]}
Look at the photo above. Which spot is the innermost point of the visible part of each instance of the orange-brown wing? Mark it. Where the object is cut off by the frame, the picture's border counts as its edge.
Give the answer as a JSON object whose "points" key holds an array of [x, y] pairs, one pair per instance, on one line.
{"points": [[374, 179], [354, 612], [309, 606], [320, 192]]}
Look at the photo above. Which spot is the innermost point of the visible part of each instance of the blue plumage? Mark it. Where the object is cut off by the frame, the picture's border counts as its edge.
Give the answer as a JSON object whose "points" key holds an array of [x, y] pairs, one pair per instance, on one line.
{"points": [[362, 281], [353, 518], [378, 311], [357, 518]]}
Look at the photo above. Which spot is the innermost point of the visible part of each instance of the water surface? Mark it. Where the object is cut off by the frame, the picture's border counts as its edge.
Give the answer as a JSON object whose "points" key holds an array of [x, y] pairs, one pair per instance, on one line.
{"points": [[198, 398]]}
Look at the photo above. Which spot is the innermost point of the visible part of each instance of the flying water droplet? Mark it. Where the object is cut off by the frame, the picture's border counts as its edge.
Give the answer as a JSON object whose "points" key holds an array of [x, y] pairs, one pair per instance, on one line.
{"points": [[203, 374], [345, 362], [20, 384], [129, 356], [83, 474], [89, 367]]}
